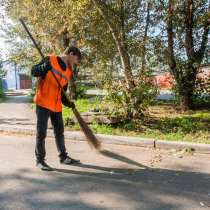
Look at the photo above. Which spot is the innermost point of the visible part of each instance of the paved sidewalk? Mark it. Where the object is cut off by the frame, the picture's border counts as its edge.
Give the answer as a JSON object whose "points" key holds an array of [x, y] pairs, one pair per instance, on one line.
{"points": [[16, 110], [119, 178]]}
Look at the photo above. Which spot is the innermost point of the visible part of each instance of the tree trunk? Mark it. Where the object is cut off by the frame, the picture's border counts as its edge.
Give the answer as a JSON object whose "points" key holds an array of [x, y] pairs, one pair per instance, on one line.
{"points": [[119, 41], [186, 95], [187, 102], [186, 88], [145, 39]]}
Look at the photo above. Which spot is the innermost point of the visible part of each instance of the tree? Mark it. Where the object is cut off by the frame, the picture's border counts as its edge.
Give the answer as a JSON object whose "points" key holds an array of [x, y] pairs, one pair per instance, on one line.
{"points": [[117, 28], [114, 35], [2, 71], [187, 28], [121, 18]]}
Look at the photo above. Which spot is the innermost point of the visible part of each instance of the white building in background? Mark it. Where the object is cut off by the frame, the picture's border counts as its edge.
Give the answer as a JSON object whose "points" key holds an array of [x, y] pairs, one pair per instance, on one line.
{"points": [[15, 79], [12, 79]]}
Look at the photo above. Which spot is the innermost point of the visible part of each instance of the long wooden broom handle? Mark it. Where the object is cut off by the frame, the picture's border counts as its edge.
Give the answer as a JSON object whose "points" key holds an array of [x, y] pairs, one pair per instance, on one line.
{"points": [[87, 131], [42, 55]]}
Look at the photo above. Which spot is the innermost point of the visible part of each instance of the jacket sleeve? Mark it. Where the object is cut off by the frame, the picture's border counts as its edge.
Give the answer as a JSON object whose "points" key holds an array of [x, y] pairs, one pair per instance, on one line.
{"points": [[63, 98], [37, 70]]}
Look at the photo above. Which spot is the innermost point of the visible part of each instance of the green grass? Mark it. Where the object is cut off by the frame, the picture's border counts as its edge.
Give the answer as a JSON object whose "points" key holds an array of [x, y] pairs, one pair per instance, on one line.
{"points": [[83, 105], [162, 122]]}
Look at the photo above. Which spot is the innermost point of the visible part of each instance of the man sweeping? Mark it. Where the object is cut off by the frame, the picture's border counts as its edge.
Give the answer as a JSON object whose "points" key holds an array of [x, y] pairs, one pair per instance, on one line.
{"points": [[49, 99]]}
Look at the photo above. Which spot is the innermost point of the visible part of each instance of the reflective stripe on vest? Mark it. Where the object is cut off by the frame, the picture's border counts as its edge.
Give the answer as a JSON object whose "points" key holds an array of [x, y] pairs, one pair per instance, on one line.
{"points": [[60, 74]]}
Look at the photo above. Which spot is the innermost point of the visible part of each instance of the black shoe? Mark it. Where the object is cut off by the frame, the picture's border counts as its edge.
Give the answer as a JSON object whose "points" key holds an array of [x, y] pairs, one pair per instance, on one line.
{"points": [[43, 166], [69, 161]]}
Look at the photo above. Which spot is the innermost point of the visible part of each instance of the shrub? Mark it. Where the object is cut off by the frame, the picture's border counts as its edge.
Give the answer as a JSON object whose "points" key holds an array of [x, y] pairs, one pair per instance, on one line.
{"points": [[133, 102], [202, 91]]}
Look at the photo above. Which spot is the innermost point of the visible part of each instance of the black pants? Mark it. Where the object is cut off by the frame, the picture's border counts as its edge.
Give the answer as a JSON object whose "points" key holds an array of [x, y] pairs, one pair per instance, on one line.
{"points": [[43, 115]]}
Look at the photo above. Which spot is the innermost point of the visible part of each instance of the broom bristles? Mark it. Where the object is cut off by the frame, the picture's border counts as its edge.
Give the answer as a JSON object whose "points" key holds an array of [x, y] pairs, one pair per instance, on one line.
{"points": [[92, 140]]}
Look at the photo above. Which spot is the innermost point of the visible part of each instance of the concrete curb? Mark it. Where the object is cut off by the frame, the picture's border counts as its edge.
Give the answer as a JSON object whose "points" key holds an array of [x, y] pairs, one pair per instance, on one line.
{"points": [[198, 147], [120, 140], [111, 139]]}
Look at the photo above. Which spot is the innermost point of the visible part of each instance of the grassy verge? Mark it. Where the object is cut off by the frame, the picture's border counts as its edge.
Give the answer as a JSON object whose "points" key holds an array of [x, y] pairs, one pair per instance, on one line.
{"points": [[163, 122]]}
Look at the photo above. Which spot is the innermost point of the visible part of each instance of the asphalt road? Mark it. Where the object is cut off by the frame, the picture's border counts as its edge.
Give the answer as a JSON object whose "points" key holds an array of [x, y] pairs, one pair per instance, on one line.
{"points": [[120, 177]]}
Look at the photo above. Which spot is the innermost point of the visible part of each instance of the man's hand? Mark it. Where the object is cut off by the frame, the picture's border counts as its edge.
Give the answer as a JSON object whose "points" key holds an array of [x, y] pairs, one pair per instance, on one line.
{"points": [[46, 66], [71, 105], [65, 98]]}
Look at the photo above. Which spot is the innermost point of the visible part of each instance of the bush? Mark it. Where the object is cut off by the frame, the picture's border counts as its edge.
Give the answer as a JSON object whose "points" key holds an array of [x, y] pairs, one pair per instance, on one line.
{"points": [[128, 102], [201, 96], [201, 93], [133, 102]]}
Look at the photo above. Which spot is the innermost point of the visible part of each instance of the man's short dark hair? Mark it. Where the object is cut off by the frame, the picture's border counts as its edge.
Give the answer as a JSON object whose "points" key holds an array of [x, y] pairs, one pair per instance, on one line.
{"points": [[74, 50]]}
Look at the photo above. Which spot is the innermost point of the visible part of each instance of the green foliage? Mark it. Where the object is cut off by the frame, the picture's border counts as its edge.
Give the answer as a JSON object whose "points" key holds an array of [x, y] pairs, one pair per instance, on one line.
{"points": [[83, 105], [2, 95], [187, 28], [166, 124], [2, 74], [126, 101], [2, 71], [202, 92], [91, 31], [133, 102], [193, 127], [121, 40]]}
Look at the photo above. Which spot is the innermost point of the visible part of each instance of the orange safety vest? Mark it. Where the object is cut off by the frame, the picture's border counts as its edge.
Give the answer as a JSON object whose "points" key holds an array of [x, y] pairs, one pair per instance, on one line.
{"points": [[48, 93]]}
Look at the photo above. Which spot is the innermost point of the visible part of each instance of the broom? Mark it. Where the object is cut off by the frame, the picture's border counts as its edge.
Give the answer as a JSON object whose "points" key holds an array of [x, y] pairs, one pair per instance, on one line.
{"points": [[92, 140]]}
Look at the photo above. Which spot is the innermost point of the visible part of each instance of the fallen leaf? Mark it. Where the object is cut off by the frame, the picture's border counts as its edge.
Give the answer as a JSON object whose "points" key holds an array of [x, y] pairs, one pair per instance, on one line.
{"points": [[202, 204]]}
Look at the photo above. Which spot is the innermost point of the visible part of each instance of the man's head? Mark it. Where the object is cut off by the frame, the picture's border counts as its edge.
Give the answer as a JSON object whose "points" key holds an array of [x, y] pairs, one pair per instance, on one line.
{"points": [[73, 55]]}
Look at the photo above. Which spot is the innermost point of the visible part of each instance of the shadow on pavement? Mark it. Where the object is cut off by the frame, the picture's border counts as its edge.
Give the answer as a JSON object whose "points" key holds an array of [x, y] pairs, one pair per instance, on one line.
{"points": [[121, 158], [17, 99], [149, 189], [16, 121]]}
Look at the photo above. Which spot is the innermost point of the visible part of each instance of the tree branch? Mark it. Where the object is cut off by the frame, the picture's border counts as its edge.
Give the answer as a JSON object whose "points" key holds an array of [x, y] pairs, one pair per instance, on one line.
{"points": [[145, 37], [189, 13], [172, 61], [204, 41], [200, 53], [119, 41]]}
